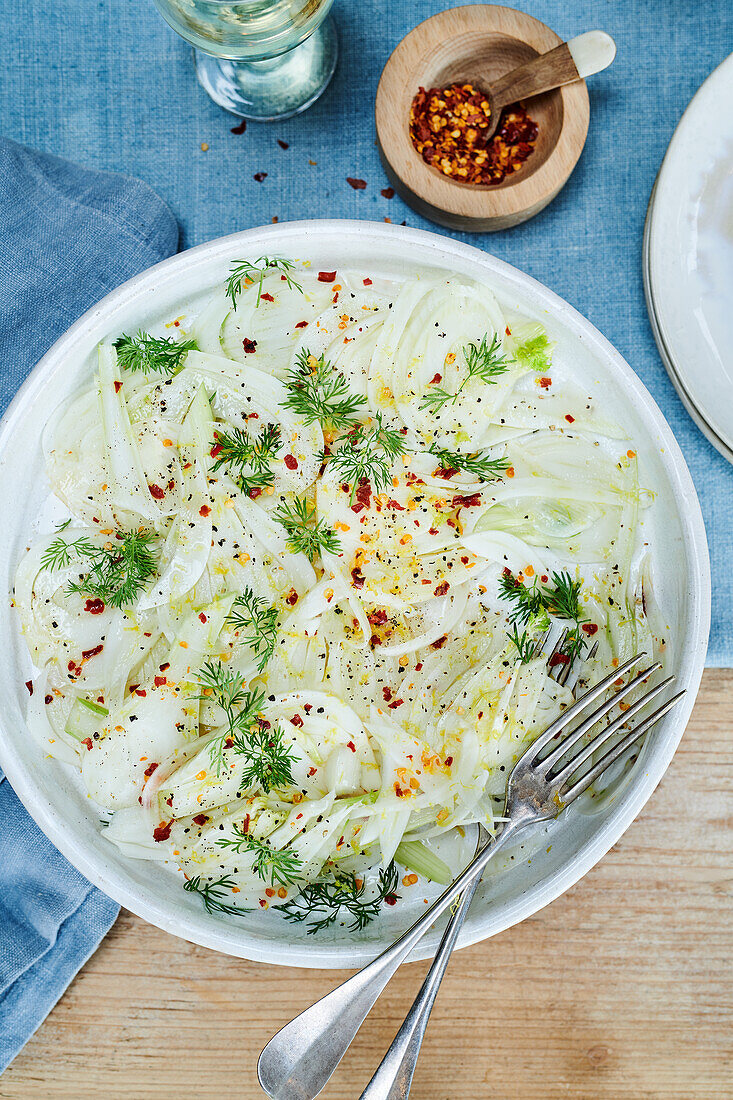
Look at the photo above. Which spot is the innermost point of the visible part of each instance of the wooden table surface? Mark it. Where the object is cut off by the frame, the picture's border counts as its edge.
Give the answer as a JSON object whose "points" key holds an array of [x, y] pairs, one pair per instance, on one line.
{"points": [[623, 987]]}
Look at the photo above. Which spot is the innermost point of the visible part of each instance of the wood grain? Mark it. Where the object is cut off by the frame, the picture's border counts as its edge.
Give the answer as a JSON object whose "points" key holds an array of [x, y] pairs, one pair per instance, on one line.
{"points": [[621, 988]]}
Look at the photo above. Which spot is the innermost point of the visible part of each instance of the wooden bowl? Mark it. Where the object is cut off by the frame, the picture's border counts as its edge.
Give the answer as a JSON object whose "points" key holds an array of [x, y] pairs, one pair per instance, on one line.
{"points": [[477, 44]]}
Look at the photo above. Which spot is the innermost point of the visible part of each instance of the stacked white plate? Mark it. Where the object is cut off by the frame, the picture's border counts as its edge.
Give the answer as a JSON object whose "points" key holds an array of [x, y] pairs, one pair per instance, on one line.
{"points": [[688, 259]]}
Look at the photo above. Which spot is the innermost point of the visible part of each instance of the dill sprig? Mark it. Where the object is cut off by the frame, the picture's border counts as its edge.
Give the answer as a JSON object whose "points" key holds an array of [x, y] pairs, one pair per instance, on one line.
{"points": [[145, 352], [318, 392], [212, 893], [256, 620], [533, 603], [118, 570], [246, 457], [368, 453], [273, 865], [479, 464], [304, 536], [528, 600], [321, 903], [225, 687], [483, 361], [525, 643], [268, 761], [562, 599], [252, 271]]}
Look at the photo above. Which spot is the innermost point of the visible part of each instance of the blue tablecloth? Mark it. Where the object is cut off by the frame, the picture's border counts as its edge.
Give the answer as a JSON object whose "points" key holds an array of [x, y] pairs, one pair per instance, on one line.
{"points": [[110, 85]]}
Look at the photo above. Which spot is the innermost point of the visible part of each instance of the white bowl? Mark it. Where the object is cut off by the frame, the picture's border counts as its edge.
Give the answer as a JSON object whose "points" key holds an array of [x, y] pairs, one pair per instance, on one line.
{"points": [[52, 792]]}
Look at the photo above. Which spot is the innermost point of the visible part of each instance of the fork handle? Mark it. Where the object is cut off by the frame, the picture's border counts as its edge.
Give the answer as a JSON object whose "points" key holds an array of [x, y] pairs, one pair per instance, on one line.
{"points": [[393, 1078], [299, 1060]]}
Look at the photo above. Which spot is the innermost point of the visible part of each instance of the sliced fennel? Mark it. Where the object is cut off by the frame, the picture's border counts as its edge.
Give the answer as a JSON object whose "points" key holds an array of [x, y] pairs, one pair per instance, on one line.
{"points": [[377, 678]]}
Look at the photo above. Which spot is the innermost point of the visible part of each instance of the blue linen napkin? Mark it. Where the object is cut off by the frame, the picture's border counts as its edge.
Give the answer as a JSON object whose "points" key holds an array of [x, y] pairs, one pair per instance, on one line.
{"points": [[67, 237]]}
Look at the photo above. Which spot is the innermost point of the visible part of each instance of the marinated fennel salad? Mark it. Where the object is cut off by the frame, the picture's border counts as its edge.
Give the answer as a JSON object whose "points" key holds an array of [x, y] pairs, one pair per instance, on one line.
{"points": [[290, 632]]}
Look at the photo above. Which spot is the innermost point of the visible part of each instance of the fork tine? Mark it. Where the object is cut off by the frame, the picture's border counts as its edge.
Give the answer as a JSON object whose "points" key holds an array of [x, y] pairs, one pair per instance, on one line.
{"points": [[571, 680], [552, 757], [605, 734], [576, 709], [613, 754]]}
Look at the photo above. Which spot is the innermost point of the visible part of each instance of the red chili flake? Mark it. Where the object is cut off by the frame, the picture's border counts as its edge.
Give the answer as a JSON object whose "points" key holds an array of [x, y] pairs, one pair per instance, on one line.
{"points": [[357, 577], [163, 831], [150, 769], [439, 642], [171, 484], [377, 618], [302, 324], [448, 129], [245, 824], [215, 450], [283, 144], [558, 659], [260, 176], [292, 597], [204, 510], [545, 383], [418, 666], [118, 386], [589, 628], [351, 745], [464, 560], [291, 462], [160, 680], [394, 505], [326, 276], [367, 282], [508, 331], [364, 492], [441, 589], [437, 378], [169, 800], [266, 297], [254, 492], [202, 617], [29, 685], [396, 703], [88, 742], [433, 531], [164, 666], [87, 653], [387, 192], [387, 693], [296, 720], [249, 345], [472, 501], [312, 771], [357, 508], [141, 692], [544, 578], [48, 699], [200, 819], [448, 761], [358, 185], [240, 128], [445, 472], [133, 688], [156, 491], [570, 419], [391, 899]]}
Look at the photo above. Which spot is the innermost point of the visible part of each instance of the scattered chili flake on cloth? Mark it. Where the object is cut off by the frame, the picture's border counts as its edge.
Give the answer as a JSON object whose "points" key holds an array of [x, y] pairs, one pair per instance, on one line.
{"points": [[447, 127]]}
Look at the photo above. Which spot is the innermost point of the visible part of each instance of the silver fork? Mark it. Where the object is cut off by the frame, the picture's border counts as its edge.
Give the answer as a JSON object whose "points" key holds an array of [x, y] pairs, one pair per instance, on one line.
{"points": [[393, 1077], [301, 1057]]}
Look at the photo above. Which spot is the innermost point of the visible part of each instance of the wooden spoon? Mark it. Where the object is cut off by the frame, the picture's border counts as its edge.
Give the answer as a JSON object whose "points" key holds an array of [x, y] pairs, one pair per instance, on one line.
{"points": [[574, 60]]}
